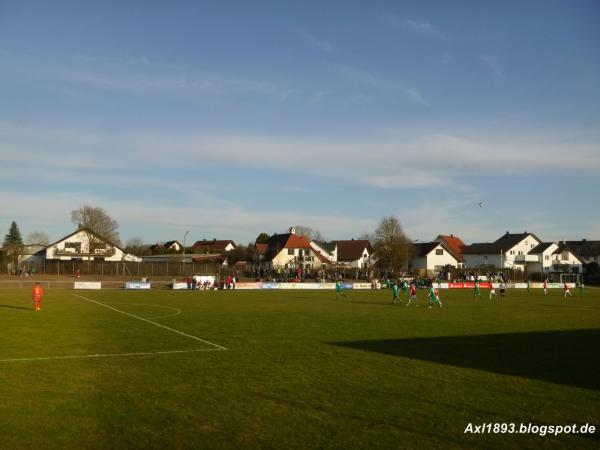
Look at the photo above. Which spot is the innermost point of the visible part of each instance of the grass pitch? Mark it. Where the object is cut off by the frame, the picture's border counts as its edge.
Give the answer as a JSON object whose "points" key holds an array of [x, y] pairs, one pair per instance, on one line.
{"points": [[147, 369]]}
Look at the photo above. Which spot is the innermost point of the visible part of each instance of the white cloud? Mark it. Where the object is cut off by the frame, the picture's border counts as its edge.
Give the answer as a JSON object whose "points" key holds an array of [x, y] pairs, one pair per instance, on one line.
{"points": [[139, 76], [370, 80], [419, 27], [315, 41], [391, 160], [204, 216]]}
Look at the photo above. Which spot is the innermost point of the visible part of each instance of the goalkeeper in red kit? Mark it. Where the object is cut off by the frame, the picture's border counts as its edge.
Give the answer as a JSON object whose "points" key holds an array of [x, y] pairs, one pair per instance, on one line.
{"points": [[36, 294]]}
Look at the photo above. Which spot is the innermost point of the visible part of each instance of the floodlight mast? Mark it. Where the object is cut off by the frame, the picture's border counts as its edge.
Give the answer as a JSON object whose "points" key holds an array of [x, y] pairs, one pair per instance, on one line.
{"points": [[183, 260]]}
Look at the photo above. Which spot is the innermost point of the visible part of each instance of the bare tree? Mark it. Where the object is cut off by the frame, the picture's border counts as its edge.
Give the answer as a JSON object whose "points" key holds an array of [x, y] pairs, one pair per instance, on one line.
{"points": [[38, 237], [98, 221], [309, 233], [366, 237], [390, 244], [136, 246]]}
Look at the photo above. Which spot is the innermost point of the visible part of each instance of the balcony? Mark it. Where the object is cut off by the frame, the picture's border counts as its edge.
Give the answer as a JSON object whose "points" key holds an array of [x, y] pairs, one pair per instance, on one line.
{"points": [[527, 258], [75, 253]]}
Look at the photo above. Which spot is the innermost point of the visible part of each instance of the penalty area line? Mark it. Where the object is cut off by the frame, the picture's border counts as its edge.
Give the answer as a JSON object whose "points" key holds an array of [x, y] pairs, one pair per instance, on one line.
{"points": [[196, 338], [110, 355]]}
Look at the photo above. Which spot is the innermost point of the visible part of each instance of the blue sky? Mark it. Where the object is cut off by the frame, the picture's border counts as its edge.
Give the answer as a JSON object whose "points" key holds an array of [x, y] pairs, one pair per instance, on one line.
{"points": [[232, 118]]}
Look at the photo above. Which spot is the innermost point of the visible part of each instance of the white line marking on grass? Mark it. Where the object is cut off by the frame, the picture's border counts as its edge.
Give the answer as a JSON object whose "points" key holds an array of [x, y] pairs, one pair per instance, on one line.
{"points": [[112, 355], [178, 311], [220, 347]]}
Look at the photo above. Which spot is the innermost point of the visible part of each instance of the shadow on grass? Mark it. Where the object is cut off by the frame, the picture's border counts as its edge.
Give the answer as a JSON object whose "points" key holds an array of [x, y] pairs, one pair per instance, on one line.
{"points": [[15, 307], [569, 357]]}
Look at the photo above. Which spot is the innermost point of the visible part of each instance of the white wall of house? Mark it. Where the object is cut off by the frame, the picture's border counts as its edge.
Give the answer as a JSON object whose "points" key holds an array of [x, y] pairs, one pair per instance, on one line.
{"points": [[518, 256], [78, 243], [362, 262], [175, 246], [295, 257], [544, 260], [566, 261], [473, 261], [436, 259], [330, 256]]}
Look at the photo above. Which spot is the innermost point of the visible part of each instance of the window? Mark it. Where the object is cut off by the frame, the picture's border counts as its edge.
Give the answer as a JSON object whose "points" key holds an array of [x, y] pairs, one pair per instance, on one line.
{"points": [[439, 251], [564, 256], [291, 251], [520, 252], [512, 252], [76, 246], [547, 257]]}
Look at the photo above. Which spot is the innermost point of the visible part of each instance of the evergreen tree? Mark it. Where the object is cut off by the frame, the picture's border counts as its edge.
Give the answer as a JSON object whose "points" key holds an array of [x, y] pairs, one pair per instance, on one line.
{"points": [[13, 244], [14, 236]]}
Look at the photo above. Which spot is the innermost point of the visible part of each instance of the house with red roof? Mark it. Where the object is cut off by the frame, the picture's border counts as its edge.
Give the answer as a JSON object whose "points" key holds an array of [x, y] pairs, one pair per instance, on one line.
{"points": [[290, 251], [454, 245], [432, 256], [214, 246]]}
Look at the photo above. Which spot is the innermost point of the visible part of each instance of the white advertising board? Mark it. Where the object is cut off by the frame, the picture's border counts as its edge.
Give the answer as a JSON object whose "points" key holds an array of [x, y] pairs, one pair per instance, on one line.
{"points": [[87, 285]]}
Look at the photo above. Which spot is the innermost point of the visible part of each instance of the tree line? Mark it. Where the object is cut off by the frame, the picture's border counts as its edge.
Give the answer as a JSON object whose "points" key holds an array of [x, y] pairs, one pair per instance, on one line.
{"points": [[391, 246]]}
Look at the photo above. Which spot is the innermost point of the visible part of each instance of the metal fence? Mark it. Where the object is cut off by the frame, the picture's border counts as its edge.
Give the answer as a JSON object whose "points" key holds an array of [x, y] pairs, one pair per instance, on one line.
{"points": [[121, 269]]}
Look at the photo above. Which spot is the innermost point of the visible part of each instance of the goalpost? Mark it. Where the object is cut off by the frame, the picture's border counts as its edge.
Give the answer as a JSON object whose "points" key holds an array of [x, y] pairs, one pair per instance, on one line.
{"points": [[575, 278]]}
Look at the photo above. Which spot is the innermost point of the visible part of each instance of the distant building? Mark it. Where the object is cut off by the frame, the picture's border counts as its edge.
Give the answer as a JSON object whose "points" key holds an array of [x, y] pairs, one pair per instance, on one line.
{"points": [[290, 251], [86, 245], [432, 256], [511, 250], [524, 251], [174, 246], [32, 254], [586, 251], [357, 253], [455, 245], [552, 257], [213, 246]]}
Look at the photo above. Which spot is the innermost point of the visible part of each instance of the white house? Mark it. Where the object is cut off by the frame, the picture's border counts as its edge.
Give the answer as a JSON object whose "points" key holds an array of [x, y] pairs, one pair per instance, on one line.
{"points": [[432, 256], [564, 260], [213, 246], [84, 244], [169, 245], [509, 251], [327, 249], [290, 251], [357, 253], [587, 251], [32, 254]]}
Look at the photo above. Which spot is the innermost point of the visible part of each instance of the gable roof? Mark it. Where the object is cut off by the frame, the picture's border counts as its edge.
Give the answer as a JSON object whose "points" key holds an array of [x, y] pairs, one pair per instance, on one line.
{"points": [[422, 249], [352, 250], [584, 248], [327, 246], [454, 245], [541, 248], [563, 247], [213, 245], [278, 242], [93, 233], [503, 243]]}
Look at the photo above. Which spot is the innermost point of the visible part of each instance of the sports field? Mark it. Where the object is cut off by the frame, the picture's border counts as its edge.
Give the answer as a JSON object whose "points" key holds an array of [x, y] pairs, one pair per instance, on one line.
{"points": [[294, 369]]}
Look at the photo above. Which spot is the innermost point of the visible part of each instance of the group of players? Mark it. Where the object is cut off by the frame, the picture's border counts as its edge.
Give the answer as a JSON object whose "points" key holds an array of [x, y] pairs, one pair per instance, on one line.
{"points": [[433, 294], [410, 289]]}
